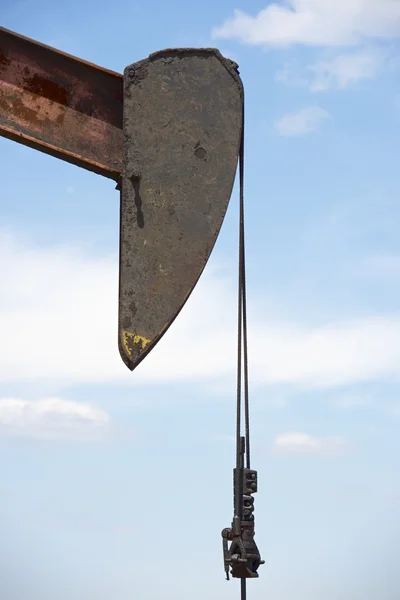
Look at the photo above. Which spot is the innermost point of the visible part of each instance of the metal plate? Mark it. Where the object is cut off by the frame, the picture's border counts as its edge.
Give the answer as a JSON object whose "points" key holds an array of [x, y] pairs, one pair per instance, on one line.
{"points": [[182, 130]]}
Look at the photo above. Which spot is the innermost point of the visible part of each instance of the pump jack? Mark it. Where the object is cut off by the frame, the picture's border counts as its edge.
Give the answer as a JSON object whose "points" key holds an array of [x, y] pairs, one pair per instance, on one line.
{"points": [[169, 132]]}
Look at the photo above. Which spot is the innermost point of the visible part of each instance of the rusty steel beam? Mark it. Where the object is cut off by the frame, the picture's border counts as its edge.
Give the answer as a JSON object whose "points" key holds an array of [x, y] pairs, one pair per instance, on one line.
{"points": [[61, 105]]}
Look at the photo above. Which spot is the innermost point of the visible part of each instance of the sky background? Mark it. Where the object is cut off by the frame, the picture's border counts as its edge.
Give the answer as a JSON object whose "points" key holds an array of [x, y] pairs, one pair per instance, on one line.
{"points": [[116, 485]]}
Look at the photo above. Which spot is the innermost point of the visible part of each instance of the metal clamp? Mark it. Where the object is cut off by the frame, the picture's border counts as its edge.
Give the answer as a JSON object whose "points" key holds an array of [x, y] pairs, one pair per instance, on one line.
{"points": [[242, 556]]}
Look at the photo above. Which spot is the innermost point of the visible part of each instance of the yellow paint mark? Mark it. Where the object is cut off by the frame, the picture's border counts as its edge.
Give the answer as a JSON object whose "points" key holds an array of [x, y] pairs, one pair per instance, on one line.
{"points": [[130, 339]]}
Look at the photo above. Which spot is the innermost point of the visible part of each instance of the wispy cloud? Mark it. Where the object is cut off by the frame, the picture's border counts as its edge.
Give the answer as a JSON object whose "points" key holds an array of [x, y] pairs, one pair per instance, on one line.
{"points": [[52, 418], [58, 313], [338, 72], [305, 120], [345, 70], [314, 23], [302, 443], [367, 27]]}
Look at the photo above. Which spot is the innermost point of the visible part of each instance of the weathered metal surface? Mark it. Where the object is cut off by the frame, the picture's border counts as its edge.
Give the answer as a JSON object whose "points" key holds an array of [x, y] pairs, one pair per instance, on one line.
{"points": [[61, 105], [182, 128]]}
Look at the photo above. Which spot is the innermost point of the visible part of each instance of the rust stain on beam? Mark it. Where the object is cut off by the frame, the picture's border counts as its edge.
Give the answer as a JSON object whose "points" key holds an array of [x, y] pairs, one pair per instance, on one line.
{"points": [[61, 105]]}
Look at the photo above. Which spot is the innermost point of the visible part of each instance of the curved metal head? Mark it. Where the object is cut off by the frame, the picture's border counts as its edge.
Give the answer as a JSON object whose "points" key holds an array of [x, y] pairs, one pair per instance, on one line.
{"points": [[183, 112]]}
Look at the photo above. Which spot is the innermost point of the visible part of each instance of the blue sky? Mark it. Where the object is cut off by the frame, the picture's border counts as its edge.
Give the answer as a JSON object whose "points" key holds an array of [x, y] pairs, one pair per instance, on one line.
{"points": [[103, 469]]}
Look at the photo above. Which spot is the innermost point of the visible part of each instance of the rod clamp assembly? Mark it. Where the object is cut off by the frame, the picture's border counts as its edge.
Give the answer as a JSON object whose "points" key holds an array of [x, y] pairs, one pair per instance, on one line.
{"points": [[242, 556]]}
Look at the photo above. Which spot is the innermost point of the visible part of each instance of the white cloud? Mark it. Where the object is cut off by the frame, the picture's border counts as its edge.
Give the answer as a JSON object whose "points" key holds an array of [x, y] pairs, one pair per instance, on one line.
{"points": [[345, 70], [51, 418], [315, 23], [302, 443], [339, 72], [369, 25], [303, 121], [58, 319]]}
